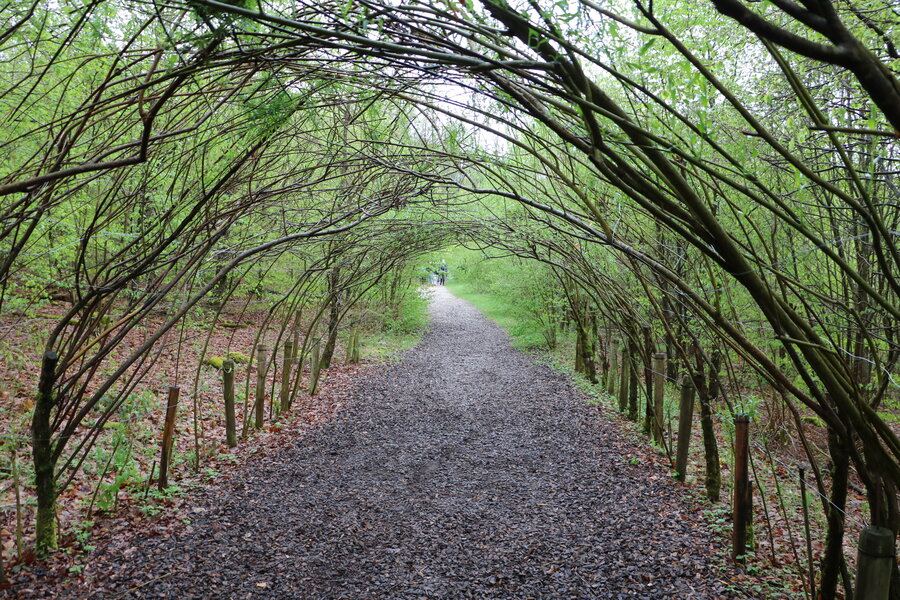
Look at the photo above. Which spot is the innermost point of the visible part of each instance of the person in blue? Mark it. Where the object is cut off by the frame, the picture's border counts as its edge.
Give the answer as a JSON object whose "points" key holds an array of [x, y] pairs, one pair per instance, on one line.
{"points": [[442, 273]]}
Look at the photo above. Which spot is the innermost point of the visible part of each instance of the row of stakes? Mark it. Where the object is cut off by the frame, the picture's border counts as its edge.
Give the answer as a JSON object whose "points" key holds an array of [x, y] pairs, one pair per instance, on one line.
{"points": [[285, 396], [876, 554]]}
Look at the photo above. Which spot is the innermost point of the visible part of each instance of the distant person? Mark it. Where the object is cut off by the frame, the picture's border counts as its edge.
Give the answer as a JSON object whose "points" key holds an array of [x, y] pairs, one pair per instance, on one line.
{"points": [[442, 273]]}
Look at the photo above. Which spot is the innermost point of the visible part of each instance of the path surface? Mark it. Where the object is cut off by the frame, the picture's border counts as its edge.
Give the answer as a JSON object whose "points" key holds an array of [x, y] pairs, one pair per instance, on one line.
{"points": [[463, 472]]}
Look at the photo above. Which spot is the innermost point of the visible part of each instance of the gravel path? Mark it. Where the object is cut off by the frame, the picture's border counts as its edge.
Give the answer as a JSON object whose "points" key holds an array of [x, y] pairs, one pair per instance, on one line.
{"points": [[464, 471]]}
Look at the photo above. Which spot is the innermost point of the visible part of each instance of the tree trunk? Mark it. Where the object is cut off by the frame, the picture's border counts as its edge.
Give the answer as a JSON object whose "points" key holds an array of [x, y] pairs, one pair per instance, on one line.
{"points": [[334, 317], [713, 478], [44, 460], [586, 350], [833, 559]]}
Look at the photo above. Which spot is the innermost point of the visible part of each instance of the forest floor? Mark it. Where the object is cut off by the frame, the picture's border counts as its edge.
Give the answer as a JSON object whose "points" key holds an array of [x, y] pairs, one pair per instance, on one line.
{"points": [[464, 471]]}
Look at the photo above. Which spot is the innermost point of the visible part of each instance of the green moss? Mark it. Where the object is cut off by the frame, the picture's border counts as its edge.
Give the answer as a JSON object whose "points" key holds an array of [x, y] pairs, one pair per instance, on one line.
{"points": [[238, 357], [214, 361]]}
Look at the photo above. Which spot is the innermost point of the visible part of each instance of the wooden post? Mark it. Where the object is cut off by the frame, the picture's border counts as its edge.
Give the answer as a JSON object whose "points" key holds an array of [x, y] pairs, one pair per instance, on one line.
{"points": [[357, 347], [286, 362], [742, 505], [647, 360], [633, 383], [298, 316], [613, 369], [659, 390], [314, 367], [349, 353], [20, 528], [624, 378], [874, 563], [260, 403], [168, 437], [685, 420], [228, 392], [579, 354]]}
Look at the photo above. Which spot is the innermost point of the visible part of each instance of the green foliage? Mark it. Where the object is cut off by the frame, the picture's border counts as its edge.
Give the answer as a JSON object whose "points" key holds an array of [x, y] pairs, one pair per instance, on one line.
{"points": [[156, 499]]}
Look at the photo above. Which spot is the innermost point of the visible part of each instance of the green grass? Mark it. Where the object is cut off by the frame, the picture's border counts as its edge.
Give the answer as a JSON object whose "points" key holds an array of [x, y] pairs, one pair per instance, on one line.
{"points": [[398, 332], [388, 346]]}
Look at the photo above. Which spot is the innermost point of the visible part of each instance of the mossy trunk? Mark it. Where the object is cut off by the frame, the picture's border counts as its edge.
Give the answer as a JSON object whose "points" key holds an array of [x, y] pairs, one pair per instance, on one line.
{"points": [[833, 560], [44, 458], [713, 478], [585, 351], [334, 317]]}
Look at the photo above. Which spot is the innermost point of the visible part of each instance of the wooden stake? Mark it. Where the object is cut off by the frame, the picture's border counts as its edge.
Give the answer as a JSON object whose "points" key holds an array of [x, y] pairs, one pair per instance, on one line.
{"points": [[579, 354], [260, 402], [685, 420], [314, 367], [354, 346], [633, 381], [659, 390], [613, 369], [742, 505], [228, 392], [286, 362], [624, 378], [168, 437], [874, 563], [20, 526], [647, 360]]}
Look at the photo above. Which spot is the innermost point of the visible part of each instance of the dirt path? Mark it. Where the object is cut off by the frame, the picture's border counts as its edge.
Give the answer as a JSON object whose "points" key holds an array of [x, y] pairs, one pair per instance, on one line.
{"points": [[463, 472]]}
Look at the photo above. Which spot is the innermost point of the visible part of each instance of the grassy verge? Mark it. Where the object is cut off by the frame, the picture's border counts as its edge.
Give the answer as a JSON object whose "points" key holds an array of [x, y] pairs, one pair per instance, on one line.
{"points": [[398, 331], [388, 346]]}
